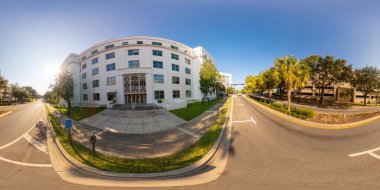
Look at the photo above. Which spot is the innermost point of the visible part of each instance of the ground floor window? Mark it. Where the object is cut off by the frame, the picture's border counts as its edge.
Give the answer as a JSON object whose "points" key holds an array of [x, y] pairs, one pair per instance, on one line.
{"points": [[159, 95], [96, 96], [111, 81], [188, 93], [111, 96], [176, 94], [85, 97]]}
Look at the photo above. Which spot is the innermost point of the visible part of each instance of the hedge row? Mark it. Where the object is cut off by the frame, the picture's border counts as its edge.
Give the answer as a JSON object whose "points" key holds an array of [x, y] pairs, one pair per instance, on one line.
{"points": [[302, 113]]}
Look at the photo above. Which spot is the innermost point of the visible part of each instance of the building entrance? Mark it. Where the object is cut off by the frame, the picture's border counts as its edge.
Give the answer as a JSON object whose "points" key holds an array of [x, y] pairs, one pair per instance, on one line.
{"points": [[135, 88]]}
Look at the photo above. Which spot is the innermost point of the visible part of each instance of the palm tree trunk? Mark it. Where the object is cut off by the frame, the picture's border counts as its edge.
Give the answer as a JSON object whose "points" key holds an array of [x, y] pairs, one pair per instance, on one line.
{"points": [[289, 97]]}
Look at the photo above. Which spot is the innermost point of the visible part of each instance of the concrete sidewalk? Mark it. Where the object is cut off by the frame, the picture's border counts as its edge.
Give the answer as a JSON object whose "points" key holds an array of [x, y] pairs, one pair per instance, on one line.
{"points": [[144, 145]]}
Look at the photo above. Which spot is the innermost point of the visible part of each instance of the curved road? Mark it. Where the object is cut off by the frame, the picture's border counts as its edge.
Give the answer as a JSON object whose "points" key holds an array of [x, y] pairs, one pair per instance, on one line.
{"points": [[266, 152]]}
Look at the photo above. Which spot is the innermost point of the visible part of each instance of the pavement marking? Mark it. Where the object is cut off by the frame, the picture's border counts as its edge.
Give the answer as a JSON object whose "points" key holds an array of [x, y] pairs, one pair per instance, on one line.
{"points": [[249, 120], [22, 136], [240, 104], [36, 144], [4, 114], [370, 152], [25, 164], [253, 120], [188, 132]]}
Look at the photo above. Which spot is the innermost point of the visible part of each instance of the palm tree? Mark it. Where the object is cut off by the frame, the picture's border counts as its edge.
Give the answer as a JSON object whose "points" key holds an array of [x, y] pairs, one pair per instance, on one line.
{"points": [[271, 80], [293, 73]]}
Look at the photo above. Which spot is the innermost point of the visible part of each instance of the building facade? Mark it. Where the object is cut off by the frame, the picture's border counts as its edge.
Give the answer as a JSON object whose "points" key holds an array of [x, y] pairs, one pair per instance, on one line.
{"points": [[137, 69], [226, 79], [341, 92]]}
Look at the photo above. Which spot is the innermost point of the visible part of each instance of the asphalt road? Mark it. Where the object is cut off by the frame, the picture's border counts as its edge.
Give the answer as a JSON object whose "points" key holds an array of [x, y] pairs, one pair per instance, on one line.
{"points": [[265, 153]]}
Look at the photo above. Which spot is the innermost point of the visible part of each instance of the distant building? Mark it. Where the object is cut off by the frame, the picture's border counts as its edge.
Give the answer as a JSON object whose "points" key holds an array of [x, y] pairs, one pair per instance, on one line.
{"points": [[336, 93], [226, 79], [6, 94], [137, 69]]}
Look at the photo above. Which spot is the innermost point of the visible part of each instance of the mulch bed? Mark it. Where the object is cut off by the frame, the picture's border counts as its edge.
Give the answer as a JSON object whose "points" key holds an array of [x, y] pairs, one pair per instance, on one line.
{"points": [[327, 118]]}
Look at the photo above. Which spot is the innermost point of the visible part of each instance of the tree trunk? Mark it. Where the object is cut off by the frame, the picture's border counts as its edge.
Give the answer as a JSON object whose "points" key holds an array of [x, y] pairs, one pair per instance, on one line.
{"points": [[365, 99], [321, 96], [289, 97], [270, 94]]}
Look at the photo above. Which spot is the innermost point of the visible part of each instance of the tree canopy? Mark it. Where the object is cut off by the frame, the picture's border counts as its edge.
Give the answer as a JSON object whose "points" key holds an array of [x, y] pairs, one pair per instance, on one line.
{"points": [[209, 75], [367, 79]]}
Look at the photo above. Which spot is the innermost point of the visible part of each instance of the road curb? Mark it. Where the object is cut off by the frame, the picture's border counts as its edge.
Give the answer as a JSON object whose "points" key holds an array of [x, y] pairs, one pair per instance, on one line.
{"points": [[174, 173], [312, 124]]}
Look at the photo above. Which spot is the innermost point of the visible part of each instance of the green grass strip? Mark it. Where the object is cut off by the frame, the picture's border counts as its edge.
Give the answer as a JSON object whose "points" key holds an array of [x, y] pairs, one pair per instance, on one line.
{"points": [[78, 113], [174, 161], [195, 109]]}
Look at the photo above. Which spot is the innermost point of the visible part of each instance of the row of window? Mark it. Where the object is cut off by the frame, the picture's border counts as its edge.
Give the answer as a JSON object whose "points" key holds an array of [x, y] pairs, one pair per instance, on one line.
{"points": [[135, 64], [95, 83], [126, 43], [160, 94], [175, 80], [132, 52]]}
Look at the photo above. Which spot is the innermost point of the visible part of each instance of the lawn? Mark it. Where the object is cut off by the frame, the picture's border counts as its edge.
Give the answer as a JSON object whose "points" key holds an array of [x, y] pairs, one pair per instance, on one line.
{"points": [[77, 113], [195, 109], [166, 163]]}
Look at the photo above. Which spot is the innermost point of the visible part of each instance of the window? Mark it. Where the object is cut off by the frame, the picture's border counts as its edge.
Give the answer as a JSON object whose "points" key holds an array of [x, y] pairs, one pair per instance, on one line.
{"points": [[110, 67], [140, 42], [95, 61], [110, 55], [176, 94], [109, 46], [158, 78], [84, 66], [187, 52], [188, 81], [174, 47], [85, 97], [111, 96], [157, 53], [125, 43], [133, 52], [158, 64], [134, 64], [111, 81], [95, 71], [187, 71], [175, 56], [157, 43], [83, 58], [159, 95], [84, 86], [96, 96], [175, 80], [84, 75], [175, 67], [94, 52], [95, 83], [187, 61], [188, 93]]}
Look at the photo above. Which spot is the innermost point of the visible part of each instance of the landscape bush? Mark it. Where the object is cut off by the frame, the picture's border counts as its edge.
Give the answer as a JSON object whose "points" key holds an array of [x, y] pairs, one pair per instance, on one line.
{"points": [[302, 113]]}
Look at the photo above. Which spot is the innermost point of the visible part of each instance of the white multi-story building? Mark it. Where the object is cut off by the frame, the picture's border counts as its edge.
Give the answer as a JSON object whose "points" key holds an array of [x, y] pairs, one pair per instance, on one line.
{"points": [[136, 69], [226, 79]]}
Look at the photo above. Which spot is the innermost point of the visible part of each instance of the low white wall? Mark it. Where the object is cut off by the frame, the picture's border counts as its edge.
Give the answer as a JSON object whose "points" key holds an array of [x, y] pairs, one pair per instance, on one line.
{"points": [[174, 104]]}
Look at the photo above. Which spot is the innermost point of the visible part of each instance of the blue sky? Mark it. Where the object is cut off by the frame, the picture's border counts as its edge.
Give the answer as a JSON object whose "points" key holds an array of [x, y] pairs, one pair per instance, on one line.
{"points": [[244, 37]]}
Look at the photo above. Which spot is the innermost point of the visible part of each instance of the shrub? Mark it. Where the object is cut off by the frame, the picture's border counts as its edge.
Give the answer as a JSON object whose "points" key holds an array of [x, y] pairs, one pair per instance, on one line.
{"points": [[307, 113]]}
